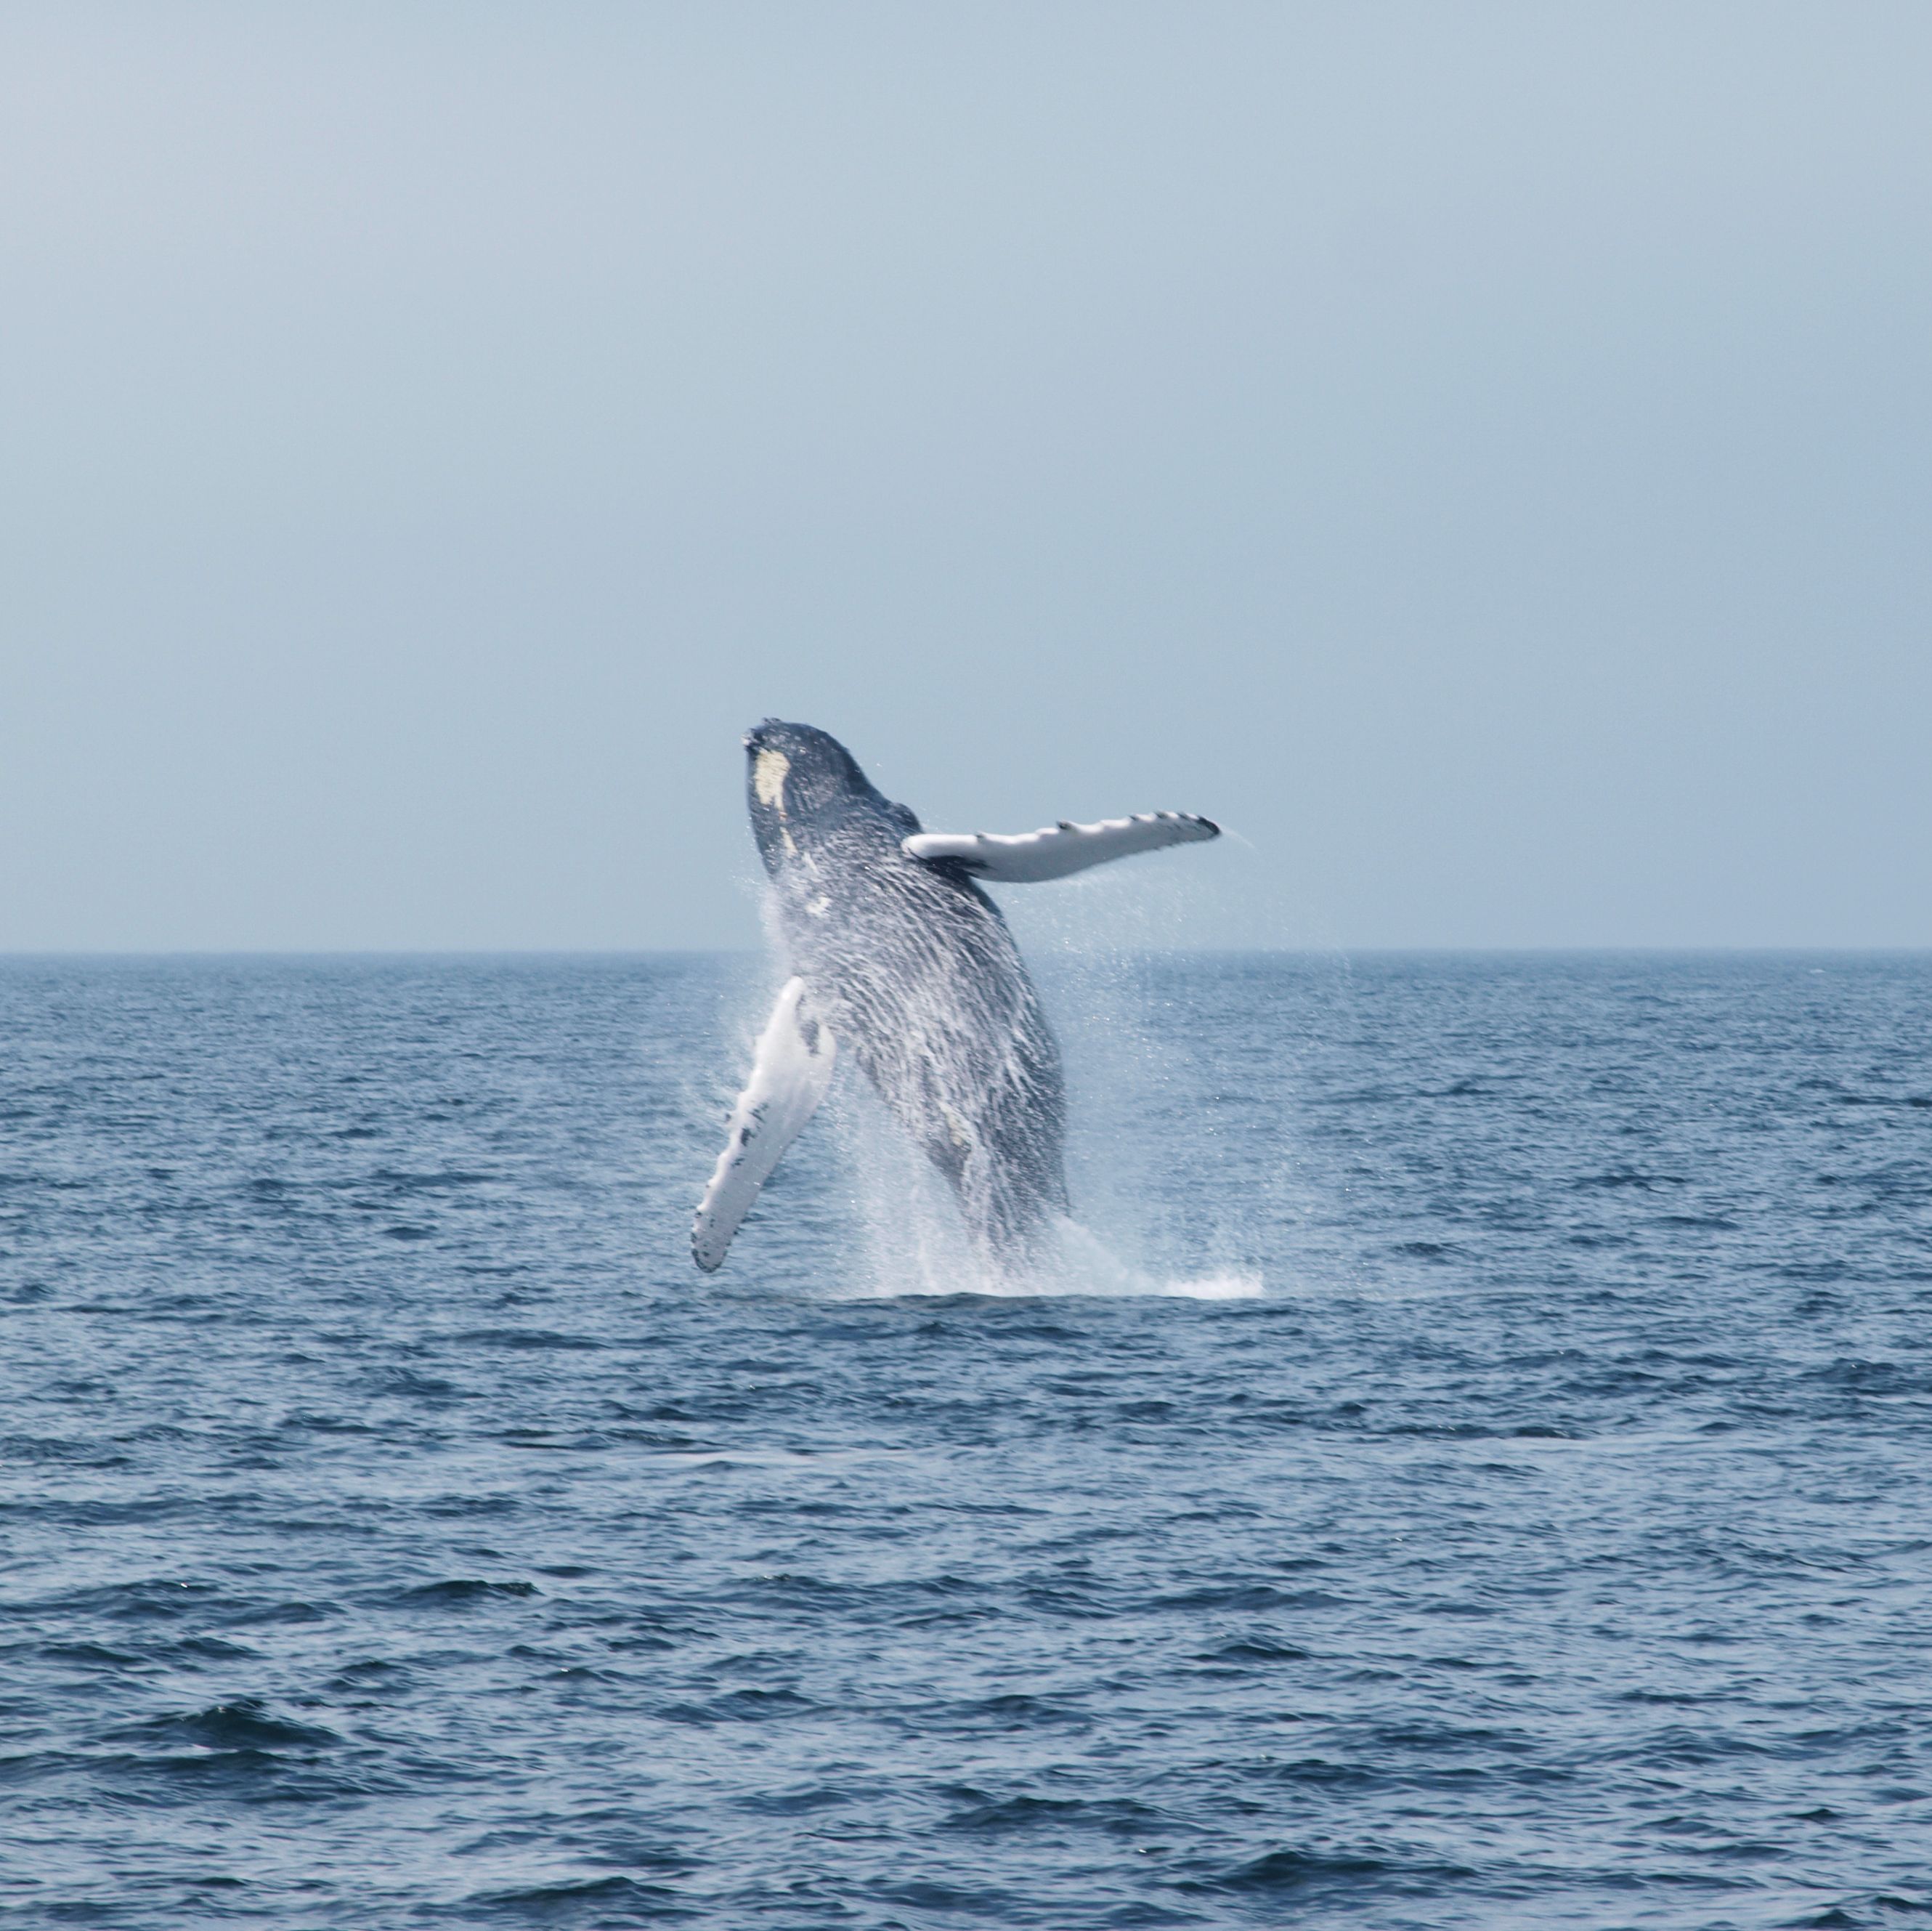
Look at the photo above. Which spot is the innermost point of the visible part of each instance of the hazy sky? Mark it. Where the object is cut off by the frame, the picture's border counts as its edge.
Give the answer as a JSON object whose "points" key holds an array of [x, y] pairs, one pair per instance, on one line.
{"points": [[1483, 454]]}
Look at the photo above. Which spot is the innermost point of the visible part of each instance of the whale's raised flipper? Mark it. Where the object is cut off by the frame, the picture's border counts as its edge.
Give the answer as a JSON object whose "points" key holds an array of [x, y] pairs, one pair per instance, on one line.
{"points": [[789, 1076], [1028, 856]]}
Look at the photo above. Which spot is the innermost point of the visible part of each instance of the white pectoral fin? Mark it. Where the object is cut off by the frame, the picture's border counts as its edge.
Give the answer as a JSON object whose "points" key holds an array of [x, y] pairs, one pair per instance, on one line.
{"points": [[1028, 856], [789, 1076]]}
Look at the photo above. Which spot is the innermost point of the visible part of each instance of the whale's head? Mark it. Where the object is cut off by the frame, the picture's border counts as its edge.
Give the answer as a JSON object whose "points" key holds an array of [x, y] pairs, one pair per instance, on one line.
{"points": [[807, 793]]}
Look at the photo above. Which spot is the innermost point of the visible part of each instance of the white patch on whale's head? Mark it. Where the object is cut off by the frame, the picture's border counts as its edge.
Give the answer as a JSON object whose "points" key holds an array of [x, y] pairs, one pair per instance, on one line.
{"points": [[769, 769]]}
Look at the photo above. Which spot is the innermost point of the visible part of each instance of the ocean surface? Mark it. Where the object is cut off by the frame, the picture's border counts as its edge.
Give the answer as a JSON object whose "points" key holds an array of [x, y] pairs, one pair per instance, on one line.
{"points": [[1476, 1469]]}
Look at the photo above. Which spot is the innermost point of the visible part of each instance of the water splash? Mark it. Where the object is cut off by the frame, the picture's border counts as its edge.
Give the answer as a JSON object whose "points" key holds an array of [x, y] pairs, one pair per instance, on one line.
{"points": [[1143, 1164], [913, 1242], [1078, 1265], [1133, 1141], [1081, 1264]]}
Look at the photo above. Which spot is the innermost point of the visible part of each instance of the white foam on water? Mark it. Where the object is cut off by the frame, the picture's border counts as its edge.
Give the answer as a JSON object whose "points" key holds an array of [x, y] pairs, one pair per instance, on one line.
{"points": [[1216, 1287], [1081, 1264], [913, 1253]]}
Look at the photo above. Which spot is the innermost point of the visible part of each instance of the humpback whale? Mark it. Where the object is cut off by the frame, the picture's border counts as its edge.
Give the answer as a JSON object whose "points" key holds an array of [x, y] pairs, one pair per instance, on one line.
{"points": [[899, 959]]}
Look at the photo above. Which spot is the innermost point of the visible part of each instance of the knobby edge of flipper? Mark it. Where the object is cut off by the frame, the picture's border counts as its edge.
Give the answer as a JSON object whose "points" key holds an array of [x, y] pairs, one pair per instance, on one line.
{"points": [[790, 1071], [1058, 851]]}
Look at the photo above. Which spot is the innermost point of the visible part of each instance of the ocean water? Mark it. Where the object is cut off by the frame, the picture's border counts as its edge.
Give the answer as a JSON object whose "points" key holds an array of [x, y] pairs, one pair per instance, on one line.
{"points": [[1475, 1470]]}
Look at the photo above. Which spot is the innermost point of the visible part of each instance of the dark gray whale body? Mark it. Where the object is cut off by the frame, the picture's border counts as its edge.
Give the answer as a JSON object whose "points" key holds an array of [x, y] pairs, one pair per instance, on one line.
{"points": [[912, 967], [899, 957]]}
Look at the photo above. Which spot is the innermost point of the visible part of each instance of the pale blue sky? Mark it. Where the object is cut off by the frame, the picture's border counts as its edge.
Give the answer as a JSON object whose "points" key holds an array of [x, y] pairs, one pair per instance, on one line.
{"points": [[1483, 454]]}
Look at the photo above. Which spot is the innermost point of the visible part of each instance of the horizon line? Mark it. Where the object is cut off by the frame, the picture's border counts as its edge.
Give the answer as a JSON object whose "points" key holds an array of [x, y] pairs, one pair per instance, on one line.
{"points": [[24, 954]]}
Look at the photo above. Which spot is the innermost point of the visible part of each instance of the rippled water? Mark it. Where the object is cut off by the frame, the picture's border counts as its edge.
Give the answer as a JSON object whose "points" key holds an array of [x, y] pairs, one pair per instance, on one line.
{"points": [[1487, 1480]]}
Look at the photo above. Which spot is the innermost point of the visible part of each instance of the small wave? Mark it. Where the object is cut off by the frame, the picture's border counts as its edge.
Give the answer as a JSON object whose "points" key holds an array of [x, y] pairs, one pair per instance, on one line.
{"points": [[245, 1724], [467, 1589], [1116, 1817], [1318, 1874], [571, 1898], [739, 1706]]}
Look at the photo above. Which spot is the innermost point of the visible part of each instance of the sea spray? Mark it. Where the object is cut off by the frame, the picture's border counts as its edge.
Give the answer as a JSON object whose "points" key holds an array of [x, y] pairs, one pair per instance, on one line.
{"points": [[1149, 1211], [1134, 1136]]}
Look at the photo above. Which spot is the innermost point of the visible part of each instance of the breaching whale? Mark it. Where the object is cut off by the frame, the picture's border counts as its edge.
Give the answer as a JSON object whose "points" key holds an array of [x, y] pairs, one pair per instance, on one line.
{"points": [[899, 958]]}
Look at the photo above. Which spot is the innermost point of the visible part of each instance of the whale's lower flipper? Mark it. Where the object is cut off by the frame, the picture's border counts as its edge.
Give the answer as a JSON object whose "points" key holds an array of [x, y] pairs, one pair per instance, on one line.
{"points": [[789, 1076], [1028, 856]]}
